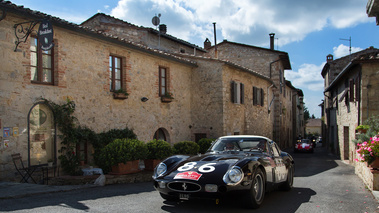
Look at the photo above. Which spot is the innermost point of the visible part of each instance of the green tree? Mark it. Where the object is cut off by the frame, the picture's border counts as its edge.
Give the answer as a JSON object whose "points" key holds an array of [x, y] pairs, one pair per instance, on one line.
{"points": [[306, 114]]}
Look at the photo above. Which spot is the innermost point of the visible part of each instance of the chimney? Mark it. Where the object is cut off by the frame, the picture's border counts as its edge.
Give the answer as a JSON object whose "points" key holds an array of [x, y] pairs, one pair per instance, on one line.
{"points": [[163, 28], [207, 44], [329, 58], [272, 35]]}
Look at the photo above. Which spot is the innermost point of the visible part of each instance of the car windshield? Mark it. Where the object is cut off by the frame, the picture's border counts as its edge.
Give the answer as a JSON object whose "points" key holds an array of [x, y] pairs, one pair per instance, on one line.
{"points": [[240, 144], [305, 141]]}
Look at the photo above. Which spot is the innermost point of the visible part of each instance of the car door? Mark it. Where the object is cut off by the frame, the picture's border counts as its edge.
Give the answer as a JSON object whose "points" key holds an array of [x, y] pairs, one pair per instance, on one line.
{"points": [[280, 171]]}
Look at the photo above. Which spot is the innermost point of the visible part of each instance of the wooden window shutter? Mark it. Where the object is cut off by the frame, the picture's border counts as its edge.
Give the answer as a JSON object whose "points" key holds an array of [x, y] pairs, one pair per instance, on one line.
{"points": [[242, 88], [357, 92], [233, 92], [262, 97], [351, 84], [255, 96]]}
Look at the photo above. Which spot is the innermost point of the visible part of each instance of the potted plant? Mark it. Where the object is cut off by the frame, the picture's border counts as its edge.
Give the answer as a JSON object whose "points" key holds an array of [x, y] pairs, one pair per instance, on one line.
{"points": [[50, 163], [167, 97], [204, 144], [120, 94], [157, 151], [122, 156], [368, 152], [186, 148], [362, 128]]}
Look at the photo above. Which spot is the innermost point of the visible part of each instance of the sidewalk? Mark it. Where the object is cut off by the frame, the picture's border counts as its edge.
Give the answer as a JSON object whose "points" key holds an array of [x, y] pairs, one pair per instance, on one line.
{"points": [[67, 183]]}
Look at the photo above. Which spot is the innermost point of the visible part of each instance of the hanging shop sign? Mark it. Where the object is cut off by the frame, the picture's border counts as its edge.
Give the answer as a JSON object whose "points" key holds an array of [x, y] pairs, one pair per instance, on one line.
{"points": [[45, 35]]}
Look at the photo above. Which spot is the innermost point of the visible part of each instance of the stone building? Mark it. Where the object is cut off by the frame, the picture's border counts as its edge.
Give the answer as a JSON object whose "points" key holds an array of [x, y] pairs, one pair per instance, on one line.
{"points": [[152, 38], [212, 96], [270, 63], [352, 99], [330, 72], [313, 126]]}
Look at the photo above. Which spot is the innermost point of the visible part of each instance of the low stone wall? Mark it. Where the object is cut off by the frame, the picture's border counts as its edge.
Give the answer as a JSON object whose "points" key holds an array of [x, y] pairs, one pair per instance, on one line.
{"points": [[369, 176]]}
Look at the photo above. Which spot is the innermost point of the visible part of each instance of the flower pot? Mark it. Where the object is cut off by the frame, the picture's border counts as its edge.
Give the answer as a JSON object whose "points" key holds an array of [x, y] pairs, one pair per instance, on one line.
{"points": [[375, 164], [150, 164], [125, 168]]}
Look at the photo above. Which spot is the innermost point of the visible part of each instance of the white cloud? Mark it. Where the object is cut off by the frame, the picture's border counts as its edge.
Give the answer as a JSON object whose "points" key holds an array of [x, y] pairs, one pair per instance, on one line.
{"points": [[343, 50], [308, 76], [244, 21]]}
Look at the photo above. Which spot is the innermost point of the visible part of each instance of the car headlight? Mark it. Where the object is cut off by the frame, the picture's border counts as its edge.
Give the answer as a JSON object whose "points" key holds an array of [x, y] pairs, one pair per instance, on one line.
{"points": [[160, 169], [234, 176]]}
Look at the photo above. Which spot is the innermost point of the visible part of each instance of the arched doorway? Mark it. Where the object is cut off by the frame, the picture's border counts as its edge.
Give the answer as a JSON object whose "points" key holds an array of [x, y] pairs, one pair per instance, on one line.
{"points": [[161, 134], [41, 134]]}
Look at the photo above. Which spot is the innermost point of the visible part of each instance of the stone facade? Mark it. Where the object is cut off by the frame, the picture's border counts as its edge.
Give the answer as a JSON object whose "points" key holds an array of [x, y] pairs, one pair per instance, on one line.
{"points": [[81, 64], [202, 87], [353, 99], [156, 39], [269, 63], [330, 72]]}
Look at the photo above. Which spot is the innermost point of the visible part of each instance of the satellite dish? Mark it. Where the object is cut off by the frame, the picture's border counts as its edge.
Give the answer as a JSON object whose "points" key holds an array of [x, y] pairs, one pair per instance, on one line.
{"points": [[156, 20]]}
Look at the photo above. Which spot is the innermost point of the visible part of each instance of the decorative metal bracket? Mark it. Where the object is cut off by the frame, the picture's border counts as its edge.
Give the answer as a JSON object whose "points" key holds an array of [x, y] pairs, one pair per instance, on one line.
{"points": [[2, 14], [23, 30]]}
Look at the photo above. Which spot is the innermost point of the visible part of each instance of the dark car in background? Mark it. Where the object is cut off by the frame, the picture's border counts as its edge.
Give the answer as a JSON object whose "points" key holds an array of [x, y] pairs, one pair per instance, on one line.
{"points": [[244, 165]]}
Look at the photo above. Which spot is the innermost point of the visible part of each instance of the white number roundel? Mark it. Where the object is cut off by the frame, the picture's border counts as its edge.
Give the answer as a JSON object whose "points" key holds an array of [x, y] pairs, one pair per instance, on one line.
{"points": [[187, 166], [206, 168]]}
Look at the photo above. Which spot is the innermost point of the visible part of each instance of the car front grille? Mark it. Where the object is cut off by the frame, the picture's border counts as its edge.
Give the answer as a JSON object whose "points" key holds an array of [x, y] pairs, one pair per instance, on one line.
{"points": [[184, 186]]}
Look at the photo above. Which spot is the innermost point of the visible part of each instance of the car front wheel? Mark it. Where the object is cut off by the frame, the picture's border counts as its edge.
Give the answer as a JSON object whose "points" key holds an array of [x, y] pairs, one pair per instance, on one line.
{"points": [[257, 191]]}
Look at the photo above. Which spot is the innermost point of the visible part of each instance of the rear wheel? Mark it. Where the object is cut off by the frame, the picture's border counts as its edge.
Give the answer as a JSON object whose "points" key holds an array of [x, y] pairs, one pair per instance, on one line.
{"points": [[257, 191], [289, 182]]}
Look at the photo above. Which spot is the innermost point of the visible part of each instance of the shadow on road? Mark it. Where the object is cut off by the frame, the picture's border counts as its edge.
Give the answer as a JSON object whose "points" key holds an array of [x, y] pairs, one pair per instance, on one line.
{"points": [[315, 163], [276, 201], [69, 200]]}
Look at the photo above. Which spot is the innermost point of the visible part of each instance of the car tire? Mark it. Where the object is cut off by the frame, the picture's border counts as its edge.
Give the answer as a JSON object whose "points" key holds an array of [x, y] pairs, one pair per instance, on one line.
{"points": [[257, 191], [286, 186], [168, 197]]}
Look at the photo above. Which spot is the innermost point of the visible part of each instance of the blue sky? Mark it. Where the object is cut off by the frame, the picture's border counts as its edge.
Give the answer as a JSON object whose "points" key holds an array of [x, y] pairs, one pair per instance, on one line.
{"points": [[307, 30]]}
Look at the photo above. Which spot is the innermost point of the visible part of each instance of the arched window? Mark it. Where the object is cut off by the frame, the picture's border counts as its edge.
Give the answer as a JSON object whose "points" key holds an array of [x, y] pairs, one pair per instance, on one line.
{"points": [[161, 134], [41, 134]]}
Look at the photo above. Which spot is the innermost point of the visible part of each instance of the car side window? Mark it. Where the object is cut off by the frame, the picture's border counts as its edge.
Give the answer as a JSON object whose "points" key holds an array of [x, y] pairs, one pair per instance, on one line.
{"points": [[275, 150]]}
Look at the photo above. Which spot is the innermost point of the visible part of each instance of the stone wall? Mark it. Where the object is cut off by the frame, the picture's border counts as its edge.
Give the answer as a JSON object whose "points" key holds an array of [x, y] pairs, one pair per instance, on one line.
{"points": [[81, 74]]}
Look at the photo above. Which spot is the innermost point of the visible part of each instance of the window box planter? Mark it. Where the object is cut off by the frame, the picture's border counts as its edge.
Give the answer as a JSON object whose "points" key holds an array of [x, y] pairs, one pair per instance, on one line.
{"points": [[119, 96], [166, 99]]}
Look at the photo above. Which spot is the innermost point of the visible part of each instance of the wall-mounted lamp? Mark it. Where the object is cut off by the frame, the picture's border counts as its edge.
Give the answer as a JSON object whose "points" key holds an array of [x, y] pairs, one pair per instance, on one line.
{"points": [[144, 99]]}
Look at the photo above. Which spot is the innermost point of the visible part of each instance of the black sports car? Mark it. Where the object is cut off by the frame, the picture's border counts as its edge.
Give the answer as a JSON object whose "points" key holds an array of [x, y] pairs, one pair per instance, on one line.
{"points": [[244, 164]]}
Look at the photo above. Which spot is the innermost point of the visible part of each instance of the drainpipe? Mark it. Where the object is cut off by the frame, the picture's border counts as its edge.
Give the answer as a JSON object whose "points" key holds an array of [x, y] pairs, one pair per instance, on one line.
{"points": [[268, 98], [214, 28]]}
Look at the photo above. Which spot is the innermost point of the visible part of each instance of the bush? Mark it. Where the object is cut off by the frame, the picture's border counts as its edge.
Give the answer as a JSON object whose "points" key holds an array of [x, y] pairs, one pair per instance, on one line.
{"points": [[158, 149], [204, 144], [186, 148], [121, 151], [105, 138]]}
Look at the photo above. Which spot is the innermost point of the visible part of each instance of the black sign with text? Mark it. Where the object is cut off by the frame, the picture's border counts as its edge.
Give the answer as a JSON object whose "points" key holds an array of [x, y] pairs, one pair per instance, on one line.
{"points": [[45, 35]]}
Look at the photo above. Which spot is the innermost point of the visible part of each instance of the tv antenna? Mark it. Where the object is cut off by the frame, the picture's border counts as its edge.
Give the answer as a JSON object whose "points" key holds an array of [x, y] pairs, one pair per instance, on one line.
{"points": [[349, 44], [156, 20]]}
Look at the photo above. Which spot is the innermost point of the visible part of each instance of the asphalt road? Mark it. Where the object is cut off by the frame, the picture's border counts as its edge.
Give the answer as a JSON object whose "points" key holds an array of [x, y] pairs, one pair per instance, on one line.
{"points": [[322, 184]]}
